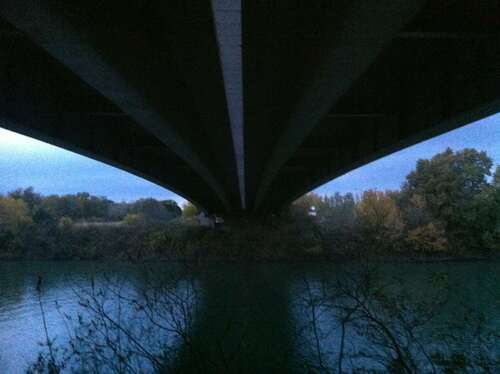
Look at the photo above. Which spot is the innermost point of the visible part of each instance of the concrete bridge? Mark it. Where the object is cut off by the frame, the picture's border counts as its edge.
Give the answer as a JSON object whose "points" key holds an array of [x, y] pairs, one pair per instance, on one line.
{"points": [[245, 104]]}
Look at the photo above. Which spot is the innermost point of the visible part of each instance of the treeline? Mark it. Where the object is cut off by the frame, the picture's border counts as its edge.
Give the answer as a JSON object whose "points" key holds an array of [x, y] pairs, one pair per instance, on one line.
{"points": [[85, 207], [449, 204], [75, 226]]}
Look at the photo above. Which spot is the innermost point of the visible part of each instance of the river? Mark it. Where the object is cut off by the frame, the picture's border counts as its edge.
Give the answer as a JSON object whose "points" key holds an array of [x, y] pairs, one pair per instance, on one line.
{"points": [[252, 317]]}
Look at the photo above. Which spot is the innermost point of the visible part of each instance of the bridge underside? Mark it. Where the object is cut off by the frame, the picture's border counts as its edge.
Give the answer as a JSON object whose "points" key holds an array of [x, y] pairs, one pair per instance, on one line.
{"points": [[245, 105]]}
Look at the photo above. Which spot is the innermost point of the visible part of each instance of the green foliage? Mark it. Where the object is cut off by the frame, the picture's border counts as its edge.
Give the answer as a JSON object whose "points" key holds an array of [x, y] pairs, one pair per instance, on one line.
{"points": [[77, 226], [446, 206], [85, 207], [133, 219], [189, 210], [65, 223], [304, 204], [450, 183], [28, 195], [154, 211], [449, 180], [380, 217], [430, 238], [172, 208], [14, 215], [449, 205], [81, 206]]}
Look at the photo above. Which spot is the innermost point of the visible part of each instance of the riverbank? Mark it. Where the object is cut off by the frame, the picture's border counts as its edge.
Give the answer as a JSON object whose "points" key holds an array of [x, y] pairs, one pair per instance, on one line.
{"points": [[286, 241]]}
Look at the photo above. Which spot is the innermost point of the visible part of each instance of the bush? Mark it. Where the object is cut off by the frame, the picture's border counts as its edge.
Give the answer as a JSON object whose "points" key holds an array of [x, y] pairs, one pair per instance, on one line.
{"points": [[133, 219], [65, 223], [430, 238]]}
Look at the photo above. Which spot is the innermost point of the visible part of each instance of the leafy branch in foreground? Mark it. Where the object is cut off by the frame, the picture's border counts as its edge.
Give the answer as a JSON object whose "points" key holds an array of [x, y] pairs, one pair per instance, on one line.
{"points": [[124, 329], [360, 323]]}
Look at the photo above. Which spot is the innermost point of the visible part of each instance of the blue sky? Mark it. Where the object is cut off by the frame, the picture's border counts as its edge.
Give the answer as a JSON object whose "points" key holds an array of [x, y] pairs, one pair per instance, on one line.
{"points": [[27, 162], [51, 170]]}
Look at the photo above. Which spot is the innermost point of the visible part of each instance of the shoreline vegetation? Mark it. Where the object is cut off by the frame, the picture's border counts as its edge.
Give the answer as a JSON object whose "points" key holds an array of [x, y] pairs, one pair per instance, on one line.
{"points": [[448, 208]]}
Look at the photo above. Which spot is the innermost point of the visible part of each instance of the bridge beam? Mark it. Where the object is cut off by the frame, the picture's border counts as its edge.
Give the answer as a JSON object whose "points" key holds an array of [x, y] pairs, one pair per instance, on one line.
{"points": [[227, 17], [351, 45], [246, 104], [53, 29]]}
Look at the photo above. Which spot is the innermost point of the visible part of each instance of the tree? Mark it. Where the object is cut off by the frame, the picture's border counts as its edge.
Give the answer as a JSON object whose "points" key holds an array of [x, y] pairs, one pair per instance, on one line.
{"points": [[380, 217], [172, 208], [430, 238], [304, 203], [152, 210], [93, 207], [496, 178], [28, 195], [449, 181], [14, 215], [339, 222], [453, 187], [65, 223], [133, 219], [64, 206], [339, 209], [189, 210]]}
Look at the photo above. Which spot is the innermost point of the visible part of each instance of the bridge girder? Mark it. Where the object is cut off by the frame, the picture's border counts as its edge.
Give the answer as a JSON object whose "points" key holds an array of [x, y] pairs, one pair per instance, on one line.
{"points": [[245, 104]]}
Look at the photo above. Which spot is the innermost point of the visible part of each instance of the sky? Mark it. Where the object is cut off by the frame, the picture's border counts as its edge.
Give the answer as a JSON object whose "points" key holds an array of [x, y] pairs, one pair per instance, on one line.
{"points": [[28, 162], [389, 172]]}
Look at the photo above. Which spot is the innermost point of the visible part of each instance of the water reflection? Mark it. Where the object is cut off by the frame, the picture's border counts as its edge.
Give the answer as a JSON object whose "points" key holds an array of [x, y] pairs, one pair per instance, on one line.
{"points": [[252, 318], [244, 324], [66, 287], [407, 318]]}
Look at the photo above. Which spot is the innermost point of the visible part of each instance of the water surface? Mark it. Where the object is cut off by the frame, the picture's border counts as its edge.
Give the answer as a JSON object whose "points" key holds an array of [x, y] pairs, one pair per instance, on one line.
{"points": [[257, 309]]}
